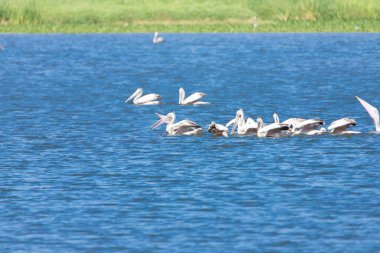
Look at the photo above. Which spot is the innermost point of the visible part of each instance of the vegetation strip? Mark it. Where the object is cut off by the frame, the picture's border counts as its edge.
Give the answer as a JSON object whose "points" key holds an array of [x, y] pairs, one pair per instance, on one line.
{"points": [[118, 16]]}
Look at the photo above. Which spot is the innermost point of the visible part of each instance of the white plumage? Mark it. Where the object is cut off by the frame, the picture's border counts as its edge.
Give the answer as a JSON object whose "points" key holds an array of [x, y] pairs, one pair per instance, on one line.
{"points": [[193, 99], [138, 99], [183, 127], [272, 130], [158, 39], [372, 111], [244, 126], [340, 126]]}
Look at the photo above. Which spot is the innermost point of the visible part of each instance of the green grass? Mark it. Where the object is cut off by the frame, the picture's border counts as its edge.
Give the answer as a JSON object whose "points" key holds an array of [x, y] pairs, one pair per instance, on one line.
{"points": [[77, 16]]}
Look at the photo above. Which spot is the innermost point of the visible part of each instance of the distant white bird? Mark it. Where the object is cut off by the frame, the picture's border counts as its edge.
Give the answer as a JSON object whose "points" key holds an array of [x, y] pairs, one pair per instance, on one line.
{"points": [[372, 111], [302, 126], [192, 99], [340, 126], [217, 129], [157, 39], [138, 99], [244, 126], [271, 130], [183, 127]]}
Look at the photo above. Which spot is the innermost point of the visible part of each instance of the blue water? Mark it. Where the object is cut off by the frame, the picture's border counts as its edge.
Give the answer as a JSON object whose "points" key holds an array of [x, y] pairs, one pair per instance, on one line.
{"points": [[81, 171]]}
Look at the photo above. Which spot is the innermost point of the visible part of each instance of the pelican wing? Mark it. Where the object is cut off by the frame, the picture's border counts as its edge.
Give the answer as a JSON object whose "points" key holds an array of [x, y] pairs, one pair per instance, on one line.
{"points": [[220, 127], [372, 111], [293, 121], [343, 123], [275, 128], [309, 124], [184, 126], [194, 97], [250, 123], [188, 123], [148, 98]]}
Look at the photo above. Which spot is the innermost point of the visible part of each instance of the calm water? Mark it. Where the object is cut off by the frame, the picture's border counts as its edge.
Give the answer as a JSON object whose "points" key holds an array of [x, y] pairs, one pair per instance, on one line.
{"points": [[81, 171]]}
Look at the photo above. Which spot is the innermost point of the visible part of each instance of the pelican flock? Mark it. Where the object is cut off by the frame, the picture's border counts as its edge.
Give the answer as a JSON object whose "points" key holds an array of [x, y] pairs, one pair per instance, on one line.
{"points": [[248, 126]]}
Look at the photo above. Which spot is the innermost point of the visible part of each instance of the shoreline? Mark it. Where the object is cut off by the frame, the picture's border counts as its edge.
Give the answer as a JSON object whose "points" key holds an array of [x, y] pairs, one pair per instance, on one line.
{"points": [[199, 27]]}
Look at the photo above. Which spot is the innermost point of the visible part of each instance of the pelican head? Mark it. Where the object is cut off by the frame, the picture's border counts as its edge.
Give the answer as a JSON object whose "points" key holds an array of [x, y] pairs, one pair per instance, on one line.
{"points": [[260, 122], [137, 93], [276, 118], [168, 119], [211, 126], [181, 92], [239, 115]]}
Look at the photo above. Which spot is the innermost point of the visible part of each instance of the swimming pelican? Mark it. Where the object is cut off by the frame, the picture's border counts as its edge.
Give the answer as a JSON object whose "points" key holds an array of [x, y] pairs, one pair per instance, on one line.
{"points": [[138, 99], [183, 127], [192, 99], [302, 126], [244, 126], [271, 130], [157, 39], [372, 111], [340, 126], [217, 129]]}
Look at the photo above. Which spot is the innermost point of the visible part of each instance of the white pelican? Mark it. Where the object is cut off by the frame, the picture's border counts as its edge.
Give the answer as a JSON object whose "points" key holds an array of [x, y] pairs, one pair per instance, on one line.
{"points": [[217, 129], [138, 99], [244, 126], [340, 126], [302, 126], [372, 111], [157, 39], [192, 99], [183, 127], [271, 130]]}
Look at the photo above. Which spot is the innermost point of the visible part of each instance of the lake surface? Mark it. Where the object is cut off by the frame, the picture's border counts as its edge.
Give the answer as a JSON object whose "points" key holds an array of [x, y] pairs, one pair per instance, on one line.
{"points": [[81, 171]]}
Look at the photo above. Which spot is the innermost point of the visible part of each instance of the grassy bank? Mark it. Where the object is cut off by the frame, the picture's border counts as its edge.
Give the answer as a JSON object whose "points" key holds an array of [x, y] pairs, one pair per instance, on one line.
{"points": [[71, 16]]}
